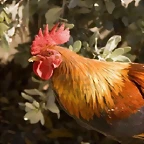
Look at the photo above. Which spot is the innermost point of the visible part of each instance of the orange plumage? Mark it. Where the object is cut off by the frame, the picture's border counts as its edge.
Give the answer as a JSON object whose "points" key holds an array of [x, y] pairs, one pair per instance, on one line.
{"points": [[107, 96]]}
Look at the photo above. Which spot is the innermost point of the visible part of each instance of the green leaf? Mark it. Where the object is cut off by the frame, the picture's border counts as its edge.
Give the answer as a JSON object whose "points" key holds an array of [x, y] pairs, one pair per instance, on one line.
{"points": [[109, 60], [92, 39], [29, 105], [120, 51], [117, 52], [121, 58], [53, 14], [4, 43], [51, 105], [3, 28], [110, 6], [36, 80], [70, 26], [70, 48], [131, 57], [127, 49], [11, 32], [77, 46], [125, 21], [36, 104], [34, 116], [1, 17], [27, 97], [86, 3], [111, 44], [4, 16], [85, 44], [34, 92], [73, 3]]}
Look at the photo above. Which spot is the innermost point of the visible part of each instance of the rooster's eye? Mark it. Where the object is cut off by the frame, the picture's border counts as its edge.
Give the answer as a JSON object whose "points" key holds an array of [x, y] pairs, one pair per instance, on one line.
{"points": [[49, 53]]}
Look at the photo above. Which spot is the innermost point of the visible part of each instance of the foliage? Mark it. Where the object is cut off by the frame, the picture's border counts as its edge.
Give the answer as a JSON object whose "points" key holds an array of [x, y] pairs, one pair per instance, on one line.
{"points": [[106, 30]]}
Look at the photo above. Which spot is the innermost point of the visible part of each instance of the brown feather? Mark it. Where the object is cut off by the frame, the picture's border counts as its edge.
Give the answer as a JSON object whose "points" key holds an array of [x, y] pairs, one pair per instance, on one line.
{"points": [[88, 87], [140, 136]]}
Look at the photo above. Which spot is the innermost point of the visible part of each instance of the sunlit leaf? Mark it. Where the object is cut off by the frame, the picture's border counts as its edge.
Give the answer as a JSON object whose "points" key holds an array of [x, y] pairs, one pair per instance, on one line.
{"points": [[29, 105], [109, 59], [34, 116], [27, 109], [70, 26], [127, 49], [77, 46], [121, 58], [1, 18], [70, 48], [117, 52], [4, 17], [111, 44], [27, 97], [34, 92], [4, 42], [92, 39], [36, 104], [3, 28], [11, 31]]}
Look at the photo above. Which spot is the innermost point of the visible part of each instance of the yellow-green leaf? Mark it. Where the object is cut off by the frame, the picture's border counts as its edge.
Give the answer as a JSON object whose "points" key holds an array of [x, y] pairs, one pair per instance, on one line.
{"points": [[77, 46], [27, 97], [53, 14]]}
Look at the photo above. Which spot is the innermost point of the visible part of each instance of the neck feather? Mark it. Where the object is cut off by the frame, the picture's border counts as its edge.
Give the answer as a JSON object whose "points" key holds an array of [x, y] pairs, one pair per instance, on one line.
{"points": [[87, 87]]}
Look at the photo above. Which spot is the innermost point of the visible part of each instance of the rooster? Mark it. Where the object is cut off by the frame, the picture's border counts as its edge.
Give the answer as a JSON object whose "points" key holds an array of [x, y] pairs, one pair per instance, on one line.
{"points": [[104, 96]]}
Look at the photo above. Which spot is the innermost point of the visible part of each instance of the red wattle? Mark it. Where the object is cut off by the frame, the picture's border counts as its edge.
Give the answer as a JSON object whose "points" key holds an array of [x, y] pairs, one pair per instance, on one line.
{"points": [[42, 70]]}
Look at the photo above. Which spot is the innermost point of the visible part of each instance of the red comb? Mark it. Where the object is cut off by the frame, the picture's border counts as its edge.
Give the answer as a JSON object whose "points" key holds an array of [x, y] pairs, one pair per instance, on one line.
{"points": [[58, 35]]}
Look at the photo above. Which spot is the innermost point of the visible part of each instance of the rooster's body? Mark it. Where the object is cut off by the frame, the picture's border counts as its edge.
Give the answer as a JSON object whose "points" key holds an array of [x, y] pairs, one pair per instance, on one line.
{"points": [[104, 96]]}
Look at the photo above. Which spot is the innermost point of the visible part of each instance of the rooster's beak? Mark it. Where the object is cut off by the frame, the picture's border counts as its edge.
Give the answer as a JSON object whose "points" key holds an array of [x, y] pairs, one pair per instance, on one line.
{"points": [[33, 58]]}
